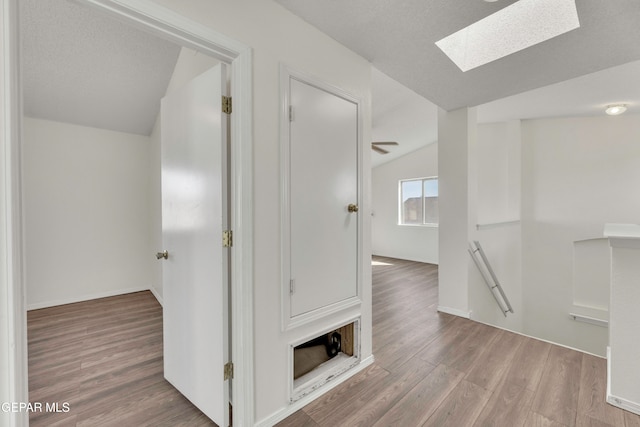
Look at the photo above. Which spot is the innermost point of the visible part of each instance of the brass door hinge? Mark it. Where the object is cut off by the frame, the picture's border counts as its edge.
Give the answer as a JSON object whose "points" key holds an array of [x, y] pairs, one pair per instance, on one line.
{"points": [[227, 238], [226, 104], [228, 371]]}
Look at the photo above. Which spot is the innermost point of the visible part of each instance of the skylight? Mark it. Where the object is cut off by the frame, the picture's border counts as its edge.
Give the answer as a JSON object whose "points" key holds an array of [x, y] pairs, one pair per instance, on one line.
{"points": [[516, 27]]}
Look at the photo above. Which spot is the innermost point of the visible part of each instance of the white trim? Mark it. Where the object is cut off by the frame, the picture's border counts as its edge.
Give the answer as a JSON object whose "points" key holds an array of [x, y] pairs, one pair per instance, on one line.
{"points": [[624, 242], [299, 404], [335, 370], [455, 312], [497, 224], [539, 339], [625, 404], [86, 297], [157, 295], [588, 319], [165, 23], [289, 321], [401, 204], [608, 373], [285, 216], [426, 225], [322, 313], [151, 17], [619, 402], [622, 231], [13, 318], [242, 250]]}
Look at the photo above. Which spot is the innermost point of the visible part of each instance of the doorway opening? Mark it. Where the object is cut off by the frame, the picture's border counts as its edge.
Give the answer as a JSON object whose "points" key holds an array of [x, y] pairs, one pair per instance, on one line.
{"points": [[151, 17]]}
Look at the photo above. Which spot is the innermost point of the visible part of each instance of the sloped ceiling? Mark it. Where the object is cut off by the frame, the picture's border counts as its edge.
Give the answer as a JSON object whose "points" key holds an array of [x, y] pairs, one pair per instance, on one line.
{"points": [[398, 37], [401, 115], [83, 68]]}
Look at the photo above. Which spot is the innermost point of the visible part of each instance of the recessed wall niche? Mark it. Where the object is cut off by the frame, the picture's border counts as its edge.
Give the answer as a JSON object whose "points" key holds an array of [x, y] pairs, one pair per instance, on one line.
{"points": [[323, 357]]}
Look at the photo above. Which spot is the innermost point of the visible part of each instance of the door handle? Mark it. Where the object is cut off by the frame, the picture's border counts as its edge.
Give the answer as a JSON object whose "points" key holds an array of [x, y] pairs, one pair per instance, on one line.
{"points": [[352, 208], [163, 254]]}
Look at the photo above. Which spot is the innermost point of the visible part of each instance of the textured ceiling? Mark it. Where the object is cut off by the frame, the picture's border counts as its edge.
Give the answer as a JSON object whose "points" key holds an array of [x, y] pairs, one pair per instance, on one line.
{"points": [[401, 115], [80, 67], [83, 68], [398, 37], [586, 95]]}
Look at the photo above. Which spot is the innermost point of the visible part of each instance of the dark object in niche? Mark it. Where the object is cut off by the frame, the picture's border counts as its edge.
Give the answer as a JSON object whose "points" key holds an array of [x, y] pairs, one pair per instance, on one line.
{"points": [[332, 343]]}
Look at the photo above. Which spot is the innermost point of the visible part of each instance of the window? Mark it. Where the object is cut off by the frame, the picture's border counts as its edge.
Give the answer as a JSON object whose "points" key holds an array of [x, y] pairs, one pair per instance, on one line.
{"points": [[419, 201]]}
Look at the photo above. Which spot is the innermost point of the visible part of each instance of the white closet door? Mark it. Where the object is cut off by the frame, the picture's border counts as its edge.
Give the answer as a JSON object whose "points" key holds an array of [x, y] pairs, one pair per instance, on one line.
{"points": [[323, 182], [194, 215]]}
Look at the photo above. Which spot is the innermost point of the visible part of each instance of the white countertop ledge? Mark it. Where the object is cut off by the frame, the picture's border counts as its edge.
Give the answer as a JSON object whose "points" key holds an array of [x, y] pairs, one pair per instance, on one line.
{"points": [[622, 231]]}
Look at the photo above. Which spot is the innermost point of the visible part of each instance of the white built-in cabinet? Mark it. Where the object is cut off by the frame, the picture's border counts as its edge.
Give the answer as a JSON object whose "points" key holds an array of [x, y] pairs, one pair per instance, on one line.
{"points": [[623, 353], [321, 226]]}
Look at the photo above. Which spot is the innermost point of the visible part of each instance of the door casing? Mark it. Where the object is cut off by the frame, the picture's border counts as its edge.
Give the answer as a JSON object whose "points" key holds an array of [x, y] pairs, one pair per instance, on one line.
{"points": [[146, 15]]}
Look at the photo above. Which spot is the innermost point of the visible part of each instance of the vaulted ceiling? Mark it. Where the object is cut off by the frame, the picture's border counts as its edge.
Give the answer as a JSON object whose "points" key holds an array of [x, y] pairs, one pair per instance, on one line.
{"points": [[398, 37], [84, 68]]}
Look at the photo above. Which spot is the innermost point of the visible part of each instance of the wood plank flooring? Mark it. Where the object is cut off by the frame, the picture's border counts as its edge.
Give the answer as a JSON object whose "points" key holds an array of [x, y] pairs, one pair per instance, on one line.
{"points": [[104, 359], [435, 369]]}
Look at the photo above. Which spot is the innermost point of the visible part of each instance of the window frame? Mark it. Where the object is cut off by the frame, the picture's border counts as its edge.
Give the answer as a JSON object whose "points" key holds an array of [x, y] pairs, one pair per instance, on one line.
{"points": [[401, 205]]}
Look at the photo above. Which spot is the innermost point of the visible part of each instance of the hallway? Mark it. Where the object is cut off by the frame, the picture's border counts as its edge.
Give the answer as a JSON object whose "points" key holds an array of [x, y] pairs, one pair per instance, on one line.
{"points": [[434, 369]]}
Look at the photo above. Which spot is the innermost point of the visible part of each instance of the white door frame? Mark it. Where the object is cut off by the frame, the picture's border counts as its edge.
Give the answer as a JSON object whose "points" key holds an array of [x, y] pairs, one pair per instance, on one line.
{"points": [[150, 17]]}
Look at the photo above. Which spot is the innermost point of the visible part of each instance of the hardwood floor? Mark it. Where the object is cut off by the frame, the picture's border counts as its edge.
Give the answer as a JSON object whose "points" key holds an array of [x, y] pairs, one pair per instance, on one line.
{"points": [[435, 369], [104, 359]]}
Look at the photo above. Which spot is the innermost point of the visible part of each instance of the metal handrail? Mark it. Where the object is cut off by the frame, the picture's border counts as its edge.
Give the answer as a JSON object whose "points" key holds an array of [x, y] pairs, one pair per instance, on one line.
{"points": [[493, 278]]}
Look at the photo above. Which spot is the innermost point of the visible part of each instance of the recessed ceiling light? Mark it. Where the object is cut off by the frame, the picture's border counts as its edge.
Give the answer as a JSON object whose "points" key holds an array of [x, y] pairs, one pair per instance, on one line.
{"points": [[614, 110], [490, 1], [511, 29]]}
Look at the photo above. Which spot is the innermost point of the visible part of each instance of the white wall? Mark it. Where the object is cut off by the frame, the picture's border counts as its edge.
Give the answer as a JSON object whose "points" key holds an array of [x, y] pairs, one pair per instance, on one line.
{"points": [[105, 182], [578, 174], [277, 36], [498, 172], [566, 177], [415, 243], [497, 226], [86, 212], [457, 135]]}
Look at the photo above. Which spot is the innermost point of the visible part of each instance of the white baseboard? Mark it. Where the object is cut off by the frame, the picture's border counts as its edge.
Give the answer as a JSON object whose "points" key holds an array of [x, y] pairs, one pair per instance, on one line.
{"points": [[454, 311], [608, 373], [539, 339], [86, 297], [615, 400], [623, 404], [155, 293], [299, 404]]}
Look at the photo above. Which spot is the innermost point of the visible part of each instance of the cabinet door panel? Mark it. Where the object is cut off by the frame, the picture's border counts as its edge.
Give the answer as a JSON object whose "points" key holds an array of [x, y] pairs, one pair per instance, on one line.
{"points": [[323, 182]]}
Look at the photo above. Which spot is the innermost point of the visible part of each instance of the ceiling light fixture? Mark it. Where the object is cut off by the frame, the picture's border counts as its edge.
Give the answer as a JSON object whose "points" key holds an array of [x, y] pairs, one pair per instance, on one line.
{"points": [[511, 29], [615, 109]]}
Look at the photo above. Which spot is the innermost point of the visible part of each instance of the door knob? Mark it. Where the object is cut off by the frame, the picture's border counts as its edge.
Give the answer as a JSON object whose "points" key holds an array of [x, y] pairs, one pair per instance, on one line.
{"points": [[163, 254], [352, 208]]}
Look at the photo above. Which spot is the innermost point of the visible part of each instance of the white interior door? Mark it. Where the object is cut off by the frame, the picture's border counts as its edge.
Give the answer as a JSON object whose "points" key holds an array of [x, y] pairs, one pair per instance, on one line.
{"points": [[194, 215], [323, 182]]}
